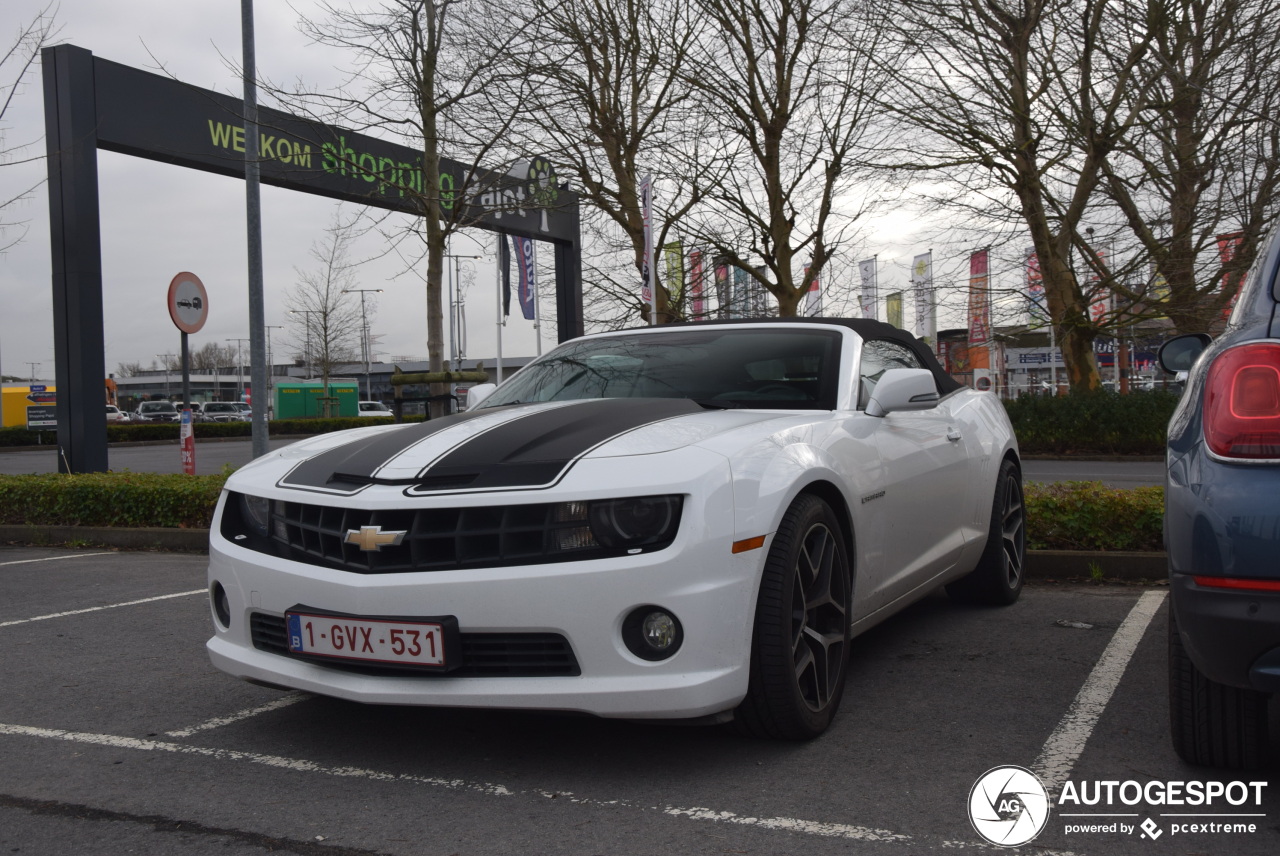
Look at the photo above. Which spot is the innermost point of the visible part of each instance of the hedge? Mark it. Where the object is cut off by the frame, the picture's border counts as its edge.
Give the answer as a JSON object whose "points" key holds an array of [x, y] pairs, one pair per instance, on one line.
{"points": [[169, 431], [1090, 516], [1063, 516], [110, 499], [1100, 422]]}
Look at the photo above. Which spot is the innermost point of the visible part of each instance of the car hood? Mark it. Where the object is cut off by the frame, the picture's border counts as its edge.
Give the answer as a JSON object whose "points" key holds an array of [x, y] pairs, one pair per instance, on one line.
{"points": [[513, 447]]}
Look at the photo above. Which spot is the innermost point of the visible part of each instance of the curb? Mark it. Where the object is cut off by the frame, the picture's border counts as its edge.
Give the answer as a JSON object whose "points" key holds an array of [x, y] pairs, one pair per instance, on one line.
{"points": [[1054, 565]]}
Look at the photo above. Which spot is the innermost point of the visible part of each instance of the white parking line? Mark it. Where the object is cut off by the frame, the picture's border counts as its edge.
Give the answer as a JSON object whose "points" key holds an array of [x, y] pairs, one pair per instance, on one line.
{"points": [[1063, 748], [784, 824], [285, 701], [100, 608], [53, 558]]}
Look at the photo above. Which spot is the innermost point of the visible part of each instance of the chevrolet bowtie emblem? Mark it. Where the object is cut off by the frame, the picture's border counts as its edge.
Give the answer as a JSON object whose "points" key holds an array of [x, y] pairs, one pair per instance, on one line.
{"points": [[373, 538]]}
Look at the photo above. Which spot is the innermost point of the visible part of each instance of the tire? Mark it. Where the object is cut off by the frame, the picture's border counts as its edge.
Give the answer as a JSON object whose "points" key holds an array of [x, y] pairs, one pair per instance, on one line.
{"points": [[800, 643], [997, 580], [1212, 724]]}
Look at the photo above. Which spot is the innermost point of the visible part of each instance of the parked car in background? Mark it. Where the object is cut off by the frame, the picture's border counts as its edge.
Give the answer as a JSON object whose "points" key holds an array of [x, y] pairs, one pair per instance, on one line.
{"points": [[1222, 529], [223, 411], [114, 414], [374, 408], [684, 522], [155, 411]]}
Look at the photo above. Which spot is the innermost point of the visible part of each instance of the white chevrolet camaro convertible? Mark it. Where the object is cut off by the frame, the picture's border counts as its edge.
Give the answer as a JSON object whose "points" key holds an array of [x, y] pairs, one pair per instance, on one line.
{"points": [[681, 522]]}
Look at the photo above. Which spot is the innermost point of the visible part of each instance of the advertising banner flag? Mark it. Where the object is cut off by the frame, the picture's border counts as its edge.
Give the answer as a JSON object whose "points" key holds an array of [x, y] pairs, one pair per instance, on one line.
{"points": [[527, 271], [812, 306], [1100, 302], [741, 303], [697, 285], [648, 291], [1037, 303], [893, 308], [1228, 247], [867, 272], [674, 253], [504, 272], [723, 297], [926, 306], [979, 299]]}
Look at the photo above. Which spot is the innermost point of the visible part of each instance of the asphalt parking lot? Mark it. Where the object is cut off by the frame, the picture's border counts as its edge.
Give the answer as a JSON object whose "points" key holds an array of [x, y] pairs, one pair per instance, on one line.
{"points": [[117, 736]]}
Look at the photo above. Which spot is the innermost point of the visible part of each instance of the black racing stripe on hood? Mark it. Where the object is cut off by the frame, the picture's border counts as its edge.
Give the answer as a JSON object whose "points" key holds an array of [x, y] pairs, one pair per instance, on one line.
{"points": [[363, 457], [537, 449]]}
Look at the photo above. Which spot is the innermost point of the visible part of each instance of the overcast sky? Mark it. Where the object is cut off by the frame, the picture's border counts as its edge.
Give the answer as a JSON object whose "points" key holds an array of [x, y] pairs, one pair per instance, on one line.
{"points": [[158, 220]]}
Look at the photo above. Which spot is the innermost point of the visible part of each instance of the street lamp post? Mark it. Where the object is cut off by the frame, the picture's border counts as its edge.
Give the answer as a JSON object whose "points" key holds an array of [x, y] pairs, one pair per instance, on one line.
{"points": [[364, 336], [306, 357], [239, 365], [271, 366], [166, 358], [453, 307]]}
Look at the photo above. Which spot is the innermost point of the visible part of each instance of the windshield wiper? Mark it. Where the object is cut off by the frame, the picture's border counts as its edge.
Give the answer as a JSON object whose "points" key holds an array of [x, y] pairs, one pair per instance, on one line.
{"points": [[715, 403]]}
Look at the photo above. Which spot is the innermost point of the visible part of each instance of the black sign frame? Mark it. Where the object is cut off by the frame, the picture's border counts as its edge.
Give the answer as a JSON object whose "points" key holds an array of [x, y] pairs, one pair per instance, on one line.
{"points": [[92, 103]]}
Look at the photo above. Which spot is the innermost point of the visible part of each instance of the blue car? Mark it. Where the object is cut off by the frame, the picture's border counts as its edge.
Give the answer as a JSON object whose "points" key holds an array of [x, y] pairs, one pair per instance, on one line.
{"points": [[1222, 529]]}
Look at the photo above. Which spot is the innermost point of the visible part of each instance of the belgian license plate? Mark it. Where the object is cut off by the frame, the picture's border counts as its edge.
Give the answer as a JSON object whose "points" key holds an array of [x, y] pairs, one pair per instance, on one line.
{"points": [[395, 641]]}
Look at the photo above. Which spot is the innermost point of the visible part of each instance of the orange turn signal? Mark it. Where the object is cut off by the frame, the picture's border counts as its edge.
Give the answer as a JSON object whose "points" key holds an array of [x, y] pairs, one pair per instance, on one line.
{"points": [[750, 544]]}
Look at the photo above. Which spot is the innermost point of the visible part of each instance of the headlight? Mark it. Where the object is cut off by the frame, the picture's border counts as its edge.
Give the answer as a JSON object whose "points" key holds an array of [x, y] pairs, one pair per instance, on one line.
{"points": [[256, 513], [636, 522]]}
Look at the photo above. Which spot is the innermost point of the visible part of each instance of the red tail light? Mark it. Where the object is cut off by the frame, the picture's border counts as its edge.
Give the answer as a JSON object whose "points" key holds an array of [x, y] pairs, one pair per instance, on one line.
{"points": [[1242, 402]]}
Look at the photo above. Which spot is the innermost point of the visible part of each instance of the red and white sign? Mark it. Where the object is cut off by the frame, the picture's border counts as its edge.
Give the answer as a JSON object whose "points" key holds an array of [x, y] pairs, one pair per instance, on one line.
{"points": [[188, 302], [187, 443]]}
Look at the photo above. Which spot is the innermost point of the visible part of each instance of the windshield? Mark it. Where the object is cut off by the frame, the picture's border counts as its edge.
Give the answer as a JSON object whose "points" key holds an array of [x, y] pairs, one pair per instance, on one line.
{"points": [[159, 407], [717, 367]]}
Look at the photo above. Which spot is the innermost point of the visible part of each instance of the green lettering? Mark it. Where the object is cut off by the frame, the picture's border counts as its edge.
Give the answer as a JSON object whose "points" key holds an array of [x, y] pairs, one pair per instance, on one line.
{"points": [[220, 134], [265, 145], [446, 191], [369, 170], [328, 157], [237, 139], [302, 155]]}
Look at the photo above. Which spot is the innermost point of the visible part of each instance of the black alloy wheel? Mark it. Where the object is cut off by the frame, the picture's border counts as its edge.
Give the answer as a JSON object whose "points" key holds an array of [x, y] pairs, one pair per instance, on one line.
{"points": [[800, 647], [998, 578]]}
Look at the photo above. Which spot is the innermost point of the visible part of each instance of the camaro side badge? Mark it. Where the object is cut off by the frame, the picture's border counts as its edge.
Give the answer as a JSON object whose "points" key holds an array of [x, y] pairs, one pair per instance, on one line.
{"points": [[872, 496], [373, 538]]}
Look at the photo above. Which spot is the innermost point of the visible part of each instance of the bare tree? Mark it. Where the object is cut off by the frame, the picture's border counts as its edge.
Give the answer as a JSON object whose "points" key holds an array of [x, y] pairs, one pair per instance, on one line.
{"points": [[324, 320], [788, 83], [1196, 182], [15, 64], [602, 87], [125, 370], [1006, 100], [417, 73], [212, 356]]}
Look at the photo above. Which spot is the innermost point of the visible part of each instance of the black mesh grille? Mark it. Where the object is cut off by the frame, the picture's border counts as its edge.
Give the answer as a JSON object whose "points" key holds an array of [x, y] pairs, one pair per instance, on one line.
{"points": [[434, 539], [515, 655]]}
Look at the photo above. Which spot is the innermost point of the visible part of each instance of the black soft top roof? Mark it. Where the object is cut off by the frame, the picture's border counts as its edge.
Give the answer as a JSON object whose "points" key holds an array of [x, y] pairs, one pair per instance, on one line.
{"points": [[864, 327]]}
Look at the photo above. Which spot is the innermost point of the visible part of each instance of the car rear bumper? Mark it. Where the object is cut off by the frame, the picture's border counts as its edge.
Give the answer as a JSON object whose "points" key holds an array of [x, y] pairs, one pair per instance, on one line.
{"points": [[1231, 634]]}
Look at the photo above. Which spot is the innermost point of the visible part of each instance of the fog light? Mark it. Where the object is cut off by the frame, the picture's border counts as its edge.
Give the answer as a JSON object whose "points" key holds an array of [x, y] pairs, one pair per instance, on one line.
{"points": [[658, 630], [652, 633], [221, 605]]}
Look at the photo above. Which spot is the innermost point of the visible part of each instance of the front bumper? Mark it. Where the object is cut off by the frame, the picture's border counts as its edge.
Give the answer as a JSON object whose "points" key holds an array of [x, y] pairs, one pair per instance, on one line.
{"points": [[698, 579]]}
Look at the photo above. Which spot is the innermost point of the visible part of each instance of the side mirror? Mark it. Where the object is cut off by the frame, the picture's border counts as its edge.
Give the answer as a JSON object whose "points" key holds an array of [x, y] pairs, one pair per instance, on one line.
{"points": [[478, 393], [1180, 353], [903, 389]]}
